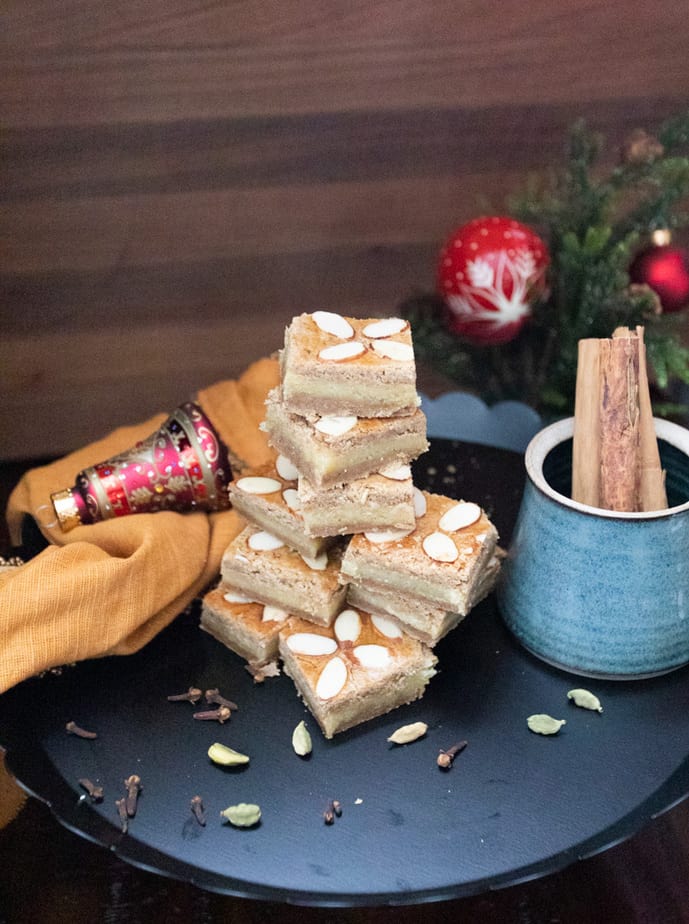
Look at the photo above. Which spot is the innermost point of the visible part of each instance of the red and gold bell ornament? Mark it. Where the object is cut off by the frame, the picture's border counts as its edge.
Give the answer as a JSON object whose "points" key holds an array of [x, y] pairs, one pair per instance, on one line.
{"points": [[183, 467]]}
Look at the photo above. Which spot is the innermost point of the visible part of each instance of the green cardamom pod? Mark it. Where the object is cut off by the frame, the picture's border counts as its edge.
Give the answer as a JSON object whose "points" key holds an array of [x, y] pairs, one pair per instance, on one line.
{"points": [[544, 724], [405, 734], [301, 740], [226, 757], [242, 815], [585, 699]]}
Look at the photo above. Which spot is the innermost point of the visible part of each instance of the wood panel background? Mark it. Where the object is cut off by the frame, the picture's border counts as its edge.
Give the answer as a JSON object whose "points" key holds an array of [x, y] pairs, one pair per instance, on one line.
{"points": [[178, 178]]}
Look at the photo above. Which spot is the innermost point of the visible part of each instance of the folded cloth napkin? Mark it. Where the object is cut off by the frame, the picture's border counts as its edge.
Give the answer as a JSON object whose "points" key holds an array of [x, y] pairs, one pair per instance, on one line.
{"points": [[108, 588]]}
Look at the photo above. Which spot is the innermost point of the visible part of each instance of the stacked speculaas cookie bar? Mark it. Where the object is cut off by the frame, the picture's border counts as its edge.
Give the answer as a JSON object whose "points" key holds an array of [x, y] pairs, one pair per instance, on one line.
{"points": [[429, 579], [336, 365]]}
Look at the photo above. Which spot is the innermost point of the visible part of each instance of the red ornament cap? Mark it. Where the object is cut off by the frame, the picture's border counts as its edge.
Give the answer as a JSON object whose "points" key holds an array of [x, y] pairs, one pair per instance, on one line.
{"points": [[490, 272]]}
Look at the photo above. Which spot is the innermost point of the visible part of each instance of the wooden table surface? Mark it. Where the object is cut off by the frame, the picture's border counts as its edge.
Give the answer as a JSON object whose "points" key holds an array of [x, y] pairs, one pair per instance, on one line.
{"points": [[179, 178], [50, 874]]}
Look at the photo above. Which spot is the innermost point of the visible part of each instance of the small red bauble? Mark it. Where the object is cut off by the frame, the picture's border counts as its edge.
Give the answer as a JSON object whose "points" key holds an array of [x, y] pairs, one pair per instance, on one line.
{"points": [[666, 270], [490, 272]]}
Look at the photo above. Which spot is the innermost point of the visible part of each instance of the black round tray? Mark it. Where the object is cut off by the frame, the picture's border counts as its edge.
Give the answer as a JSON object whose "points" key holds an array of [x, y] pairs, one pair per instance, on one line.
{"points": [[515, 805]]}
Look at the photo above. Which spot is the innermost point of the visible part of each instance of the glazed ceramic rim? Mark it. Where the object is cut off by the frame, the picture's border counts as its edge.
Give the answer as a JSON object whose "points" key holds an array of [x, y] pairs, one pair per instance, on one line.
{"points": [[551, 436]]}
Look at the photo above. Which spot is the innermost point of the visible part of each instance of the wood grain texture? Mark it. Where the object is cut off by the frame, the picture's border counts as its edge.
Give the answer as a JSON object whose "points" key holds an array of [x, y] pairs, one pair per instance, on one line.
{"points": [[179, 178], [78, 62]]}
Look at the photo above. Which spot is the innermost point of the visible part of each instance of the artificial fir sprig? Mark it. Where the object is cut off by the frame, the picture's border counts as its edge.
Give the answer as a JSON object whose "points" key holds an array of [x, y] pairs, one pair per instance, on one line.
{"points": [[594, 223]]}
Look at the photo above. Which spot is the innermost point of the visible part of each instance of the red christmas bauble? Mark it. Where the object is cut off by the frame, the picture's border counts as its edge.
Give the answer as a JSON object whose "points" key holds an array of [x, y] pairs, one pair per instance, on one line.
{"points": [[666, 270], [490, 272]]}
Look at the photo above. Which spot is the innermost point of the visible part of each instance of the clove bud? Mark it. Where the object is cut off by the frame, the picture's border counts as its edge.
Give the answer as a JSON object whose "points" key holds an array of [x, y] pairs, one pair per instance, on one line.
{"points": [[333, 810], [221, 714], [122, 812], [445, 758], [197, 810], [134, 787], [214, 697], [73, 729], [193, 695]]}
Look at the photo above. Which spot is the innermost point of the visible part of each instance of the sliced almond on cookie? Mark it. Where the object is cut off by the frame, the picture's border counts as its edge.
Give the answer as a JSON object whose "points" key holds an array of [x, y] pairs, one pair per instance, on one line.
{"points": [[393, 349], [396, 471], [420, 504], [461, 515], [291, 497], [310, 643], [379, 536], [347, 626], [274, 614], [386, 627], [332, 425], [372, 657], [386, 327], [286, 468], [440, 547], [332, 679], [316, 562], [263, 541], [257, 484], [332, 323], [342, 352], [234, 596]]}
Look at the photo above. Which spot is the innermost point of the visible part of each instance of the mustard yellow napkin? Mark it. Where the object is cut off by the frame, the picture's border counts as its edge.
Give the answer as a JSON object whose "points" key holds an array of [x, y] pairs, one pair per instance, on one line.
{"points": [[110, 587]]}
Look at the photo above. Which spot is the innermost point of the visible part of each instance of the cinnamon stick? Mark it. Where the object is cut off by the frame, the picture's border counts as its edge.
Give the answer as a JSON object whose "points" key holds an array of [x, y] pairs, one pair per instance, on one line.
{"points": [[619, 423], [586, 444], [652, 494]]}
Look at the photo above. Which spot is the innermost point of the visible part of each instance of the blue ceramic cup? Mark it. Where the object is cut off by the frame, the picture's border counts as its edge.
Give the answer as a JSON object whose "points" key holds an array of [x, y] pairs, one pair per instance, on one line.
{"points": [[595, 592]]}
